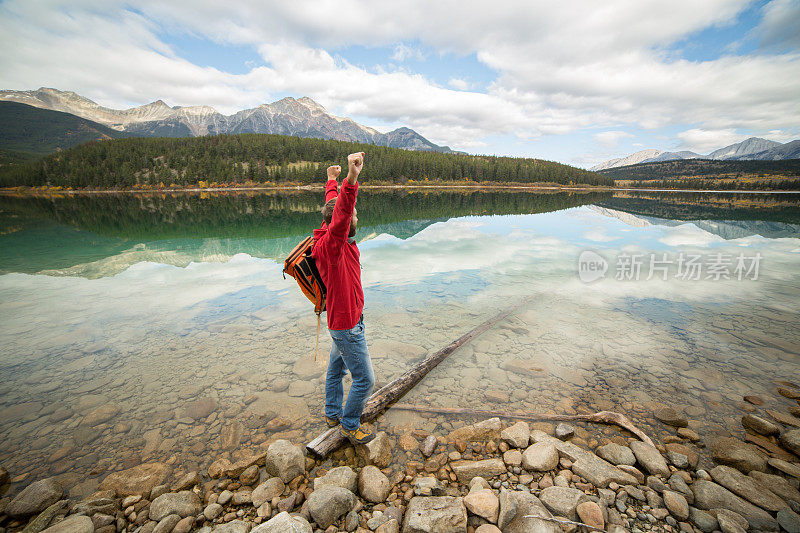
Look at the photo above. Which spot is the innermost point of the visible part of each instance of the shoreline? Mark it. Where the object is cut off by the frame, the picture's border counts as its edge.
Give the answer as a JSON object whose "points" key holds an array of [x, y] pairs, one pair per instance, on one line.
{"points": [[486, 477], [315, 187]]}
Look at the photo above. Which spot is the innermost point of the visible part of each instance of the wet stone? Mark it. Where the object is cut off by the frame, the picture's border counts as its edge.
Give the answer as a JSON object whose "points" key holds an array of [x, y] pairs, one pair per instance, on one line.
{"points": [[671, 417], [428, 446], [183, 504], [759, 425], [616, 454], [35, 498], [740, 455], [73, 524]]}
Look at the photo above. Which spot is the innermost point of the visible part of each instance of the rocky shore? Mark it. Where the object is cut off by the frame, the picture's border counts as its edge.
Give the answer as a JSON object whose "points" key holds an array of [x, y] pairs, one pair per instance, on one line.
{"points": [[480, 478]]}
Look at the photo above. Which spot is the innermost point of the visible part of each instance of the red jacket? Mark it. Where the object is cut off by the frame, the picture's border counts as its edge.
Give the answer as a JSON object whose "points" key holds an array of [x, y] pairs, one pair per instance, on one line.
{"points": [[337, 259]]}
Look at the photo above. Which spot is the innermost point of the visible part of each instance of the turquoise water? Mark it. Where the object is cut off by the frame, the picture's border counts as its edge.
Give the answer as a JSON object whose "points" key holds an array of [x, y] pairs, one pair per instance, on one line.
{"points": [[119, 311]]}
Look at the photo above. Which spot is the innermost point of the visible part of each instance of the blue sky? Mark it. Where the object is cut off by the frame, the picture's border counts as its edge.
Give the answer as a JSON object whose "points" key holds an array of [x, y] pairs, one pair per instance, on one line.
{"points": [[567, 81]]}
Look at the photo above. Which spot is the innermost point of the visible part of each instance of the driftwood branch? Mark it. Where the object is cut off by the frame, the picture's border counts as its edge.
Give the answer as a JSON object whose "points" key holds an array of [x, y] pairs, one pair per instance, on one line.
{"points": [[602, 417], [328, 441], [560, 521]]}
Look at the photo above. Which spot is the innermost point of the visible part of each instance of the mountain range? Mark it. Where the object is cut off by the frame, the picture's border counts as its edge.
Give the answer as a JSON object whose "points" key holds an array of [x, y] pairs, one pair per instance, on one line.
{"points": [[754, 148], [302, 117]]}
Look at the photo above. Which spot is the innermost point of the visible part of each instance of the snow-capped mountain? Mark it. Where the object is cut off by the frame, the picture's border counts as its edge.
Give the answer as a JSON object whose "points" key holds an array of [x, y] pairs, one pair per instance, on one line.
{"points": [[672, 156], [752, 148], [638, 157], [302, 117]]}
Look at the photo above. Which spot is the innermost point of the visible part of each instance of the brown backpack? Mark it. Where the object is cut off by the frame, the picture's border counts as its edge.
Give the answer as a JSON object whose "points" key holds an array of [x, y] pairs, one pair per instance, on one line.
{"points": [[302, 267]]}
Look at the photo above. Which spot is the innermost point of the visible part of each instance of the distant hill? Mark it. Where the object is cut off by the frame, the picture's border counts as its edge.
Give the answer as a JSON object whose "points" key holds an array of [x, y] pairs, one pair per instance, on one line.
{"points": [[28, 132], [302, 117], [701, 167], [249, 158], [754, 148]]}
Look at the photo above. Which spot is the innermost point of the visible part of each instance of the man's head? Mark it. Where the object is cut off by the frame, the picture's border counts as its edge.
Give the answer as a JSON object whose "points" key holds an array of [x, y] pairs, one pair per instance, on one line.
{"points": [[327, 215]]}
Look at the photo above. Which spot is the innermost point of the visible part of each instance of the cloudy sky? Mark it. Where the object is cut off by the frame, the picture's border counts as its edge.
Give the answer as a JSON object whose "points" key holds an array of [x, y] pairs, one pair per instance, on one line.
{"points": [[577, 81]]}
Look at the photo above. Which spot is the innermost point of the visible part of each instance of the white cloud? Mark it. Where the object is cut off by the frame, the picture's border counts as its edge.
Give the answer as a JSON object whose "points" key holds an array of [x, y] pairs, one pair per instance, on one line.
{"points": [[779, 26], [610, 139], [703, 141], [558, 72]]}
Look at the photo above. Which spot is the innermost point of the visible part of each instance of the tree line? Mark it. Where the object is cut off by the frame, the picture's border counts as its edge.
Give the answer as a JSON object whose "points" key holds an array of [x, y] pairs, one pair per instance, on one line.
{"points": [[260, 158], [711, 174]]}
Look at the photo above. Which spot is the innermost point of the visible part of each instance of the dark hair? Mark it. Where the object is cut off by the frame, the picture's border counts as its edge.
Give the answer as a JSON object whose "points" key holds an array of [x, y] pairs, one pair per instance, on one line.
{"points": [[327, 210]]}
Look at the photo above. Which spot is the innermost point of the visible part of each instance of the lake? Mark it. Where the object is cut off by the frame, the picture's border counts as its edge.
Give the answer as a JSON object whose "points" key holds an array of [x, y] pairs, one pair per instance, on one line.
{"points": [[159, 327]]}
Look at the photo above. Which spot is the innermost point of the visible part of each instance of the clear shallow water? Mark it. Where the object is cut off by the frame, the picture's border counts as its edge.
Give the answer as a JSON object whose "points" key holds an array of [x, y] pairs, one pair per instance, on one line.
{"points": [[120, 313]]}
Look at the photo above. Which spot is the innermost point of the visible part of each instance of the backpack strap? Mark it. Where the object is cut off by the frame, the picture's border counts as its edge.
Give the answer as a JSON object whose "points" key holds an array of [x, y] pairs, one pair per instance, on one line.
{"points": [[317, 345]]}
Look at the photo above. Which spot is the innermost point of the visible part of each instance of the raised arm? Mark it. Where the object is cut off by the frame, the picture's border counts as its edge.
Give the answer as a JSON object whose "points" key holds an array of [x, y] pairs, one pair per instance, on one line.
{"points": [[355, 162], [345, 204], [332, 187]]}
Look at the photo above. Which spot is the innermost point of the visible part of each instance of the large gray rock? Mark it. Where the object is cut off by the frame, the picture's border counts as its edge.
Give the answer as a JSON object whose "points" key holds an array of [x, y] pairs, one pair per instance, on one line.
{"points": [[703, 520], [777, 484], [269, 489], [341, 476], [235, 526], [650, 458], [562, 501], [528, 505], [517, 435], [740, 455], [789, 520], [508, 508], [759, 425], [435, 514], [35, 498], [590, 467], [167, 524], [487, 468], [183, 504], [373, 485], [791, 440], [540, 457], [746, 487], [327, 504], [43, 519], [616, 454], [709, 495], [284, 523], [72, 524], [285, 460]]}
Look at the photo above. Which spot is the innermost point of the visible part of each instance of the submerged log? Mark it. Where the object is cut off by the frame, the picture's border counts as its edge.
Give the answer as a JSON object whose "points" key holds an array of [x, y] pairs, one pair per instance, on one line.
{"points": [[602, 417], [331, 439]]}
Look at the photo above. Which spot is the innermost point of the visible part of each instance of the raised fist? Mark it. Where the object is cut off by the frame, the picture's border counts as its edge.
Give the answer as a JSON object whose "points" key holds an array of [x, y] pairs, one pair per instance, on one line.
{"points": [[333, 172], [355, 162]]}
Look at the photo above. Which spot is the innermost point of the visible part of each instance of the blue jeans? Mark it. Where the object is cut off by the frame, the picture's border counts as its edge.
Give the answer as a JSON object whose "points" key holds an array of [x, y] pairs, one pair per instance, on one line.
{"points": [[349, 352]]}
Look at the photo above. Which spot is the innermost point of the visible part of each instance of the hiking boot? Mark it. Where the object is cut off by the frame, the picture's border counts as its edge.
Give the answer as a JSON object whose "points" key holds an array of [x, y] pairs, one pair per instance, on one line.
{"points": [[332, 422], [361, 435]]}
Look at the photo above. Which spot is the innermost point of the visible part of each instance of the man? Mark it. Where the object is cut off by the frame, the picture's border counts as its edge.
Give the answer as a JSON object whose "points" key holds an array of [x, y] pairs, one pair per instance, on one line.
{"points": [[337, 258]]}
